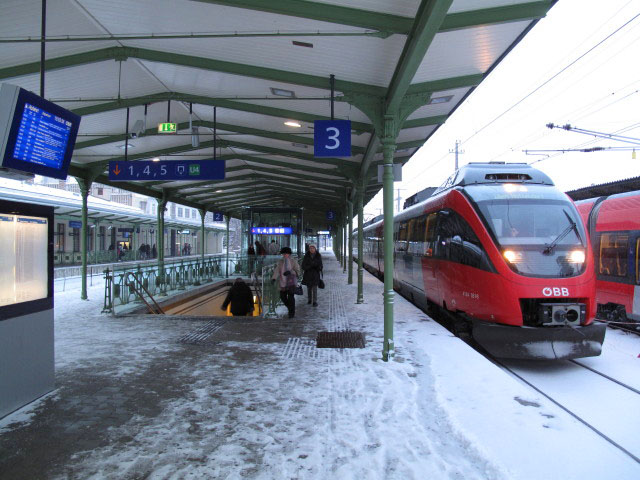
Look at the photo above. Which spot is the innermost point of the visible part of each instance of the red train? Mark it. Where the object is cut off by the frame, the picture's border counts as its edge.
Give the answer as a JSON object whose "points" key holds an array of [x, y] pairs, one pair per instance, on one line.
{"points": [[504, 250], [614, 227]]}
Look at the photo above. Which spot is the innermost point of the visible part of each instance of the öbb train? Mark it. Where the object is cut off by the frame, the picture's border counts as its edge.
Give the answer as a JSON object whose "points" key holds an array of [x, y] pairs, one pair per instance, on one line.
{"points": [[614, 227], [503, 250]]}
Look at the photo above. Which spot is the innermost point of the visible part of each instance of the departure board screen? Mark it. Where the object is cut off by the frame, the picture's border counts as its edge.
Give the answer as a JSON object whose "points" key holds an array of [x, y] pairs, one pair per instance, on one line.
{"points": [[41, 137]]}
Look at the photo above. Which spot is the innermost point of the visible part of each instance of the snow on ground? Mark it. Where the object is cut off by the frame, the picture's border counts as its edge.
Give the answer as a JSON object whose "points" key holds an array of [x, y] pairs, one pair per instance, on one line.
{"points": [[269, 405]]}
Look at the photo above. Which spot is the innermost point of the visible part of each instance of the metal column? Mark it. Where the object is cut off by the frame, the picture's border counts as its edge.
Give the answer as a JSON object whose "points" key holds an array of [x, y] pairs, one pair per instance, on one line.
{"points": [[360, 206], [227, 270], [350, 243], [162, 204], [388, 148], [85, 187]]}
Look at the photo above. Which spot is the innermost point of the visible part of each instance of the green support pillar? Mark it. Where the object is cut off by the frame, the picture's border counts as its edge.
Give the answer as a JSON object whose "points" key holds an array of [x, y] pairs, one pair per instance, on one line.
{"points": [[350, 243], [85, 188], [227, 270], [133, 242], [360, 206], [203, 213], [344, 243], [388, 148], [162, 205]]}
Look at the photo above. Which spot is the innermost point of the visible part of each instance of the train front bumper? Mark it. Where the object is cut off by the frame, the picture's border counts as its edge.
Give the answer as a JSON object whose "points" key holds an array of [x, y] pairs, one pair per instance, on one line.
{"points": [[539, 343]]}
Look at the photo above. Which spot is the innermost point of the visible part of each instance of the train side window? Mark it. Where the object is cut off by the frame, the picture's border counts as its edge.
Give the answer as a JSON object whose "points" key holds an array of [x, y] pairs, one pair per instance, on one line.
{"points": [[613, 257], [430, 234], [458, 242]]}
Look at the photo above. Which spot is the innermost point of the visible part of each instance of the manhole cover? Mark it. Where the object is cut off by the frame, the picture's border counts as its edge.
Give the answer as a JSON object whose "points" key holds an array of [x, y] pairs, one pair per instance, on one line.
{"points": [[347, 339], [202, 334]]}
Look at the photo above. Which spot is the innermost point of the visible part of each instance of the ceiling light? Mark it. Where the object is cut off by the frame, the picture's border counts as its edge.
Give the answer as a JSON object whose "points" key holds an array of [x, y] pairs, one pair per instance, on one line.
{"points": [[281, 92], [437, 100], [302, 44], [219, 191], [156, 159], [290, 123], [299, 145], [124, 146]]}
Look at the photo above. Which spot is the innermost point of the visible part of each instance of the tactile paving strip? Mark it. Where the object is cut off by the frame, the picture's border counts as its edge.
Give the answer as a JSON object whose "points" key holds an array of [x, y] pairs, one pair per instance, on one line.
{"points": [[202, 334]]}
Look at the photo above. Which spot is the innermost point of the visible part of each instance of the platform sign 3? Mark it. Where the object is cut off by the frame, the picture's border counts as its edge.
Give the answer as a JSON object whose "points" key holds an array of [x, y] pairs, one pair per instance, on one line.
{"points": [[332, 138], [331, 215], [218, 217], [167, 170]]}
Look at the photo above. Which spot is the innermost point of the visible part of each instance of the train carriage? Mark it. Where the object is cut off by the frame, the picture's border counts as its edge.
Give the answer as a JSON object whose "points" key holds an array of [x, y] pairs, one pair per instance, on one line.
{"points": [[614, 227], [504, 250]]}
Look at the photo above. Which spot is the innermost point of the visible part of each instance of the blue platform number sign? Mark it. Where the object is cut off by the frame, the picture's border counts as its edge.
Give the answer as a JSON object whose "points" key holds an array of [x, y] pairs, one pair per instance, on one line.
{"points": [[331, 215], [218, 217], [332, 138]]}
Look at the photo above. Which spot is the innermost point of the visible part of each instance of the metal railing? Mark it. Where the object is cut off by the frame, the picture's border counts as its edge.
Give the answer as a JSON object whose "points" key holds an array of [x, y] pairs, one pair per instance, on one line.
{"points": [[176, 277]]}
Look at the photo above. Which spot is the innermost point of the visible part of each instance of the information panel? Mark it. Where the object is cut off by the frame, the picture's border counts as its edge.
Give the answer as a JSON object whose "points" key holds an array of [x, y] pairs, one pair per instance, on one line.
{"points": [[23, 264], [167, 170], [36, 135], [42, 137], [272, 230]]}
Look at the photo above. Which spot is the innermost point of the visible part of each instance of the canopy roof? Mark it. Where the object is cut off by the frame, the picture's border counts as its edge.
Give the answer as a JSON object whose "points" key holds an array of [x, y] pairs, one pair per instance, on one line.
{"points": [[260, 63]]}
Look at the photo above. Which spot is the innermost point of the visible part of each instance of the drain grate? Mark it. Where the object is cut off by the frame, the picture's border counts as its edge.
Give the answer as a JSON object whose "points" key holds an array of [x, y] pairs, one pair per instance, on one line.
{"points": [[346, 339], [202, 334]]}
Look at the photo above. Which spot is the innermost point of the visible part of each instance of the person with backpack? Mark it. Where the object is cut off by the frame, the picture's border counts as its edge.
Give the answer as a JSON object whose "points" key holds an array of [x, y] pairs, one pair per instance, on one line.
{"points": [[241, 298], [286, 273]]}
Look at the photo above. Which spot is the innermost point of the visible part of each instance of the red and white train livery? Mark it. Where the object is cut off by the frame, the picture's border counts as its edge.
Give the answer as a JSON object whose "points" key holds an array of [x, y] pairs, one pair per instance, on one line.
{"points": [[501, 247], [614, 226]]}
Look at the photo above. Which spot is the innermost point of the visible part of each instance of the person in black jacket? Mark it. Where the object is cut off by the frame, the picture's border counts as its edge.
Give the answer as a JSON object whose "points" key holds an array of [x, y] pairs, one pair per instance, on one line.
{"points": [[241, 298], [312, 266]]}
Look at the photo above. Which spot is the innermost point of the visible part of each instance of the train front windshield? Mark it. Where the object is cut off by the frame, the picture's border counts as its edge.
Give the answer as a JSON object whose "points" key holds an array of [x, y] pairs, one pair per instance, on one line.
{"points": [[538, 231]]}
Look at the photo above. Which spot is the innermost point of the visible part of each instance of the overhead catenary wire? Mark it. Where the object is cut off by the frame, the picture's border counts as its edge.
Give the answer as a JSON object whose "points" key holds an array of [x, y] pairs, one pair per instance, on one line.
{"points": [[564, 69]]}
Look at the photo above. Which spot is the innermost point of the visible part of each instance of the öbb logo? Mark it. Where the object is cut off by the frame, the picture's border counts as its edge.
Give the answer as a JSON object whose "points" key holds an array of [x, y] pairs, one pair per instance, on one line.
{"points": [[555, 291]]}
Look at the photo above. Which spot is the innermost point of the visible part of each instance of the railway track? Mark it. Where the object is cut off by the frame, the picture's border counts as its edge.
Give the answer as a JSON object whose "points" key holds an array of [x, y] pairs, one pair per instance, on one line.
{"points": [[597, 400]]}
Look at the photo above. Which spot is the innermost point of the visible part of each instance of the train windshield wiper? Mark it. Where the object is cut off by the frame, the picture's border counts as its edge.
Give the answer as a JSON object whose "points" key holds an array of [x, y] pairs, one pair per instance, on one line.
{"points": [[548, 248]]}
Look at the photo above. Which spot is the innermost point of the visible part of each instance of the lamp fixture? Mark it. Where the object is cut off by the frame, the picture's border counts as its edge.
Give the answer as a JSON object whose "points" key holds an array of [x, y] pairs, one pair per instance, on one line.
{"points": [[281, 92], [437, 100], [156, 159], [291, 123], [219, 191], [123, 146], [299, 145]]}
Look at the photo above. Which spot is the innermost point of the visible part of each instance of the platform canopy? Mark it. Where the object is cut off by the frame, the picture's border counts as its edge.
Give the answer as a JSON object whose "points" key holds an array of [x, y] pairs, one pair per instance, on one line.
{"points": [[260, 63]]}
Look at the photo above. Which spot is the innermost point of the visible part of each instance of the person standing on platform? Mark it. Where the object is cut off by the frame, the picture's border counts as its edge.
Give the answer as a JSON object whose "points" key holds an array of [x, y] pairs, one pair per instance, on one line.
{"points": [[260, 249], [154, 251], [312, 268], [241, 298], [287, 272], [273, 248]]}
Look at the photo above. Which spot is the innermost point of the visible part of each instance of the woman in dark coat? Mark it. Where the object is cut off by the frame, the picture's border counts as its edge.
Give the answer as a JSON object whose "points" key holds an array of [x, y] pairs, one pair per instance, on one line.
{"points": [[241, 298], [312, 266]]}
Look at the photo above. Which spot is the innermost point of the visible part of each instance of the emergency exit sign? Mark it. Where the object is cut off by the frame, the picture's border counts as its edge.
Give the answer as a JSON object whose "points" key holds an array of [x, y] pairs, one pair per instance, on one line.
{"points": [[167, 127]]}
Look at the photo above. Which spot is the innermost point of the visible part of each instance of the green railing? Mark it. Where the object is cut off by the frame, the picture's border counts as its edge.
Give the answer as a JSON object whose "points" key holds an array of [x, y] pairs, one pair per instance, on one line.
{"points": [[177, 277]]}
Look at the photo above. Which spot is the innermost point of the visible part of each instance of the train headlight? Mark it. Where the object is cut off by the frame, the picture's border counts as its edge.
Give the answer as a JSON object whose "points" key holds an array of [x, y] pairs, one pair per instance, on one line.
{"points": [[577, 256], [511, 256]]}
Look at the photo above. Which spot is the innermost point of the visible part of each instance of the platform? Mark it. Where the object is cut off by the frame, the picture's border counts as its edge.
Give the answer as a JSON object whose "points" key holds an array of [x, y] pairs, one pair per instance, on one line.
{"points": [[175, 397]]}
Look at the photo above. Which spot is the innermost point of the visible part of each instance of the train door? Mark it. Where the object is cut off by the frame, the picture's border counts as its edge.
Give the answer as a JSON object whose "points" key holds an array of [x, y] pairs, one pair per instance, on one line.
{"points": [[429, 262], [636, 288]]}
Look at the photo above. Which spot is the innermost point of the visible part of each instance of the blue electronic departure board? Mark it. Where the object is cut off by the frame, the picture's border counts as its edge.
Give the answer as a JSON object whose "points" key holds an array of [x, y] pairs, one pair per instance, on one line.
{"points": [[41, 134], [271, 230]]}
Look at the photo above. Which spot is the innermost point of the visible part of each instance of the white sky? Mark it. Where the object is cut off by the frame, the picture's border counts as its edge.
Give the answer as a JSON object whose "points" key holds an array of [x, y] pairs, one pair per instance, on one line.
{"points": [[600, 92]]}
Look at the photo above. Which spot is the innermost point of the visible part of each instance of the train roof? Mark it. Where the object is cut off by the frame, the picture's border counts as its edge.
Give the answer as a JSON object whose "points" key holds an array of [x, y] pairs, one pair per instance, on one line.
{"points": [[495, 172]]}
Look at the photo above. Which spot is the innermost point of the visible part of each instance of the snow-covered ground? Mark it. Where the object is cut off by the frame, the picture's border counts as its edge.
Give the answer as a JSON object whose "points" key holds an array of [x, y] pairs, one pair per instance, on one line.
{"points": [[262, 402]]}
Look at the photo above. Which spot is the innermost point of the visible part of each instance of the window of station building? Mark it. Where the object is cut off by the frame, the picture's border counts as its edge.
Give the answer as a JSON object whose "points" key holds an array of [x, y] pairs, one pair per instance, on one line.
{"points": [[60, 237], [102, 233], [179, 211], [76, 239], [613, 254], [100, 191]]}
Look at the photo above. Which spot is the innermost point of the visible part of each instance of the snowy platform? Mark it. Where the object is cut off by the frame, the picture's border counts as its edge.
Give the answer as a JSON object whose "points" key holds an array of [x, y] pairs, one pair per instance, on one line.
{"points": [[256, 399]]}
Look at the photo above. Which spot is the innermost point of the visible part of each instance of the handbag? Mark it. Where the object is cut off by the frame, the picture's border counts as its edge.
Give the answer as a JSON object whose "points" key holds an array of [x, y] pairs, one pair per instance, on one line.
{"points": [[298, 290], [321, 281]]}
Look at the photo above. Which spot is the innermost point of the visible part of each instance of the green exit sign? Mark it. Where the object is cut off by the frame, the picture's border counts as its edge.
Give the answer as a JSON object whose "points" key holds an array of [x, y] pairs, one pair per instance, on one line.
{"points": [[167, 127]]}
